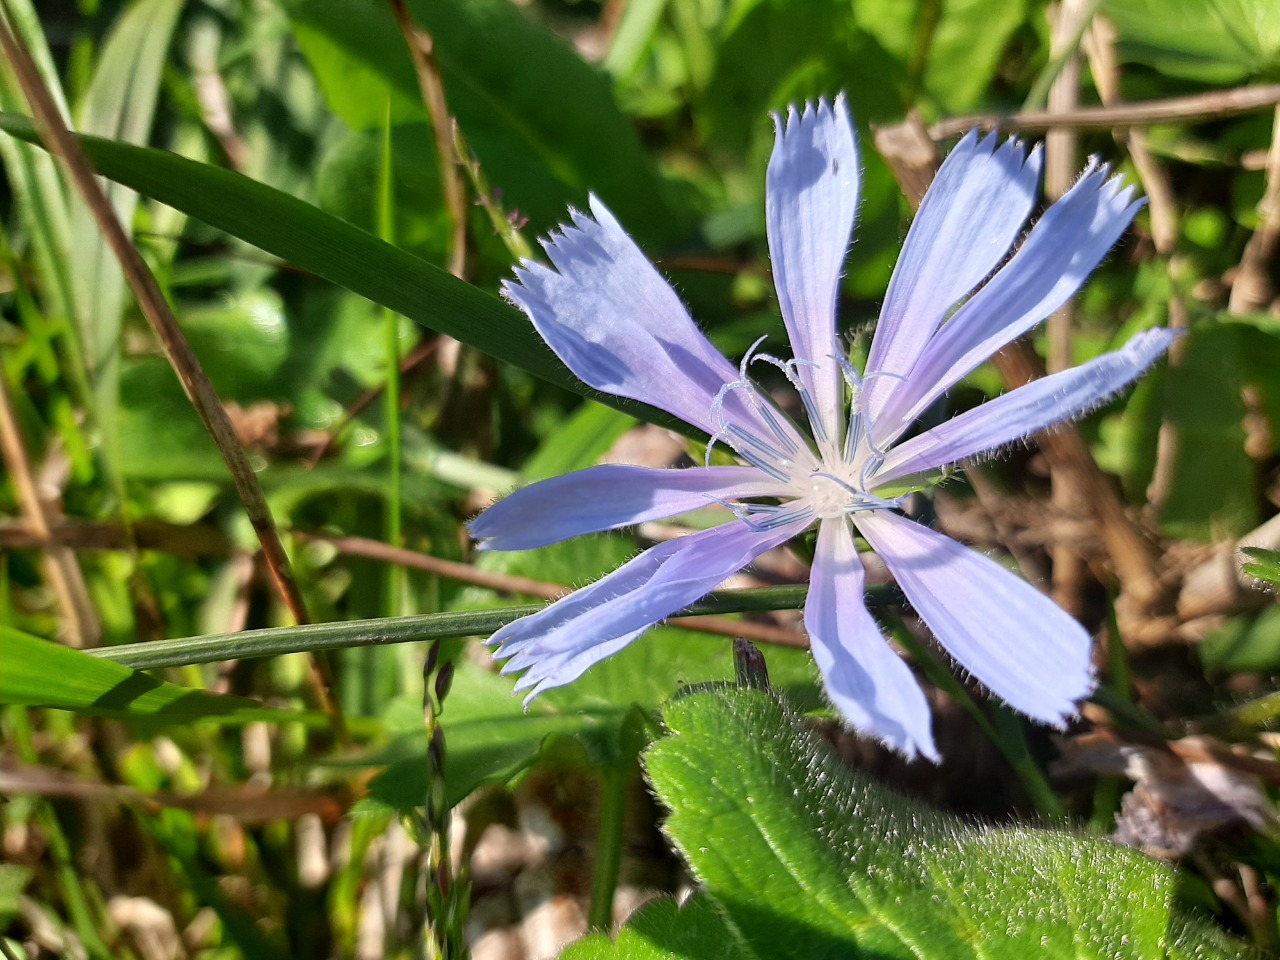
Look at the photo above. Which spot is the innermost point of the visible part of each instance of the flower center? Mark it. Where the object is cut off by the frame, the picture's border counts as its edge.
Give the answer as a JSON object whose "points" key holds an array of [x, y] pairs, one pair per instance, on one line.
{"points": [[831, 495], [824, 481]]}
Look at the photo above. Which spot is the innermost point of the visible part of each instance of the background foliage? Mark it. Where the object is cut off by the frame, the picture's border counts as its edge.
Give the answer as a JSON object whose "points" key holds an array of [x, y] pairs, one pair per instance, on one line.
{"points": [[332, 250]]}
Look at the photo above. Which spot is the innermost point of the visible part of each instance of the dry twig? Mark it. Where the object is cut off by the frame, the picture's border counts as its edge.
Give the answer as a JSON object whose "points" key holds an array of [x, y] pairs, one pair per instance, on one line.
{"points": [[61, 569], [422, 49], [1061, 163], [1251, 291], [1202, 106]]}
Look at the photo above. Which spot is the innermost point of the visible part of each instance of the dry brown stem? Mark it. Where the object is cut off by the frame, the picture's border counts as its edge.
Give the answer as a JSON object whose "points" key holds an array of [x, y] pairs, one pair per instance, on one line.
{"points": [[1201, 106], [182, 539], [1251, 291], [422, 49], [61, 569], [246, 804], [1061, 163]]}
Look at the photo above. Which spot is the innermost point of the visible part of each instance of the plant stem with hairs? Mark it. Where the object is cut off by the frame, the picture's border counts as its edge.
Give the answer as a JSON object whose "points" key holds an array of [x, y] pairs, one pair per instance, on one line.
{"points": [[447, 898]]}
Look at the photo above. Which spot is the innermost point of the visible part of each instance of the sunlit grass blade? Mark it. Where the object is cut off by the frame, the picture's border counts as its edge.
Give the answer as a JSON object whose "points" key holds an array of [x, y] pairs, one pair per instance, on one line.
{"points": [[119, 103], [40, 673], [332, 248]]}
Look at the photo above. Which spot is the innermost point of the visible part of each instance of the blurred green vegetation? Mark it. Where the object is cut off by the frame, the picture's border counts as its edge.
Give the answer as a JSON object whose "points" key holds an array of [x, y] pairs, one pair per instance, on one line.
{"points": [[661, 108]]}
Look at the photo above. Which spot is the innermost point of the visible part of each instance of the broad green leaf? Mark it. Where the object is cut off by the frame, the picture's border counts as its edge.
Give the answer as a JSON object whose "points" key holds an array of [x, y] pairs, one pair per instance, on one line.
{"points": [[772, 53], [965, 49], [1212, 41], [579, 442], [330, 247], [665, 930], [39, 673], [1212, 491], [350, 171], [1212, 480], [160, 434], [806, 858], [508, 82]]}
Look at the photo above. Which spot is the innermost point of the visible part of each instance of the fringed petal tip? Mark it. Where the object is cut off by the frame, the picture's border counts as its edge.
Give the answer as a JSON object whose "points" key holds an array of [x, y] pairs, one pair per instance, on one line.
{"points": [[1008, 635], [1009, 151], [811, 111], [890, 732], [863, 677], [910, 749], [1118, 192]]}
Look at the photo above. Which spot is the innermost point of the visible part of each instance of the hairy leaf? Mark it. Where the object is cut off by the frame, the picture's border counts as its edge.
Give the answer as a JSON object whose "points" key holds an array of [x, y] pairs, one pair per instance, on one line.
{"points": [[805, 858]]}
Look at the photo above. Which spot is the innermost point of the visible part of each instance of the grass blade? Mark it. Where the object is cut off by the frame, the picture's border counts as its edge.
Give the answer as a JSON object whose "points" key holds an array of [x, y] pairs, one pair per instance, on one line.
{"points": [[342, 253]]}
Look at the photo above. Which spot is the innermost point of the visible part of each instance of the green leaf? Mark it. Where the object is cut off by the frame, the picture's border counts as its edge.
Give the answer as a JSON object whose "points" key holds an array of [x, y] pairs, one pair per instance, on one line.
{"points": [[1244, 644], [665, 930], [120, 104], [39, 673], [1213, 41], [349, 174], [39, 193], [579, 442], [508, 81], [965, 50], [776, 52], [1212, 481], [13, 881], [806, 858], [342, 253], [1263, 564]]}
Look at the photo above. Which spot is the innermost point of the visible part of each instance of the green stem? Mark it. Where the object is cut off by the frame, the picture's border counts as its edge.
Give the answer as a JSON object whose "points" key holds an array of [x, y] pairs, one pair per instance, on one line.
{"points": [[1119, 676], [434, 626], [1107, 795], [613, 806], [391, 329]]}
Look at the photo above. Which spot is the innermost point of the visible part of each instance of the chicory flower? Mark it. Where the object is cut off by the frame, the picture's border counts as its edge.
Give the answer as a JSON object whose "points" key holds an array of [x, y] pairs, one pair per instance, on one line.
{"points": [[971, 278]]}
